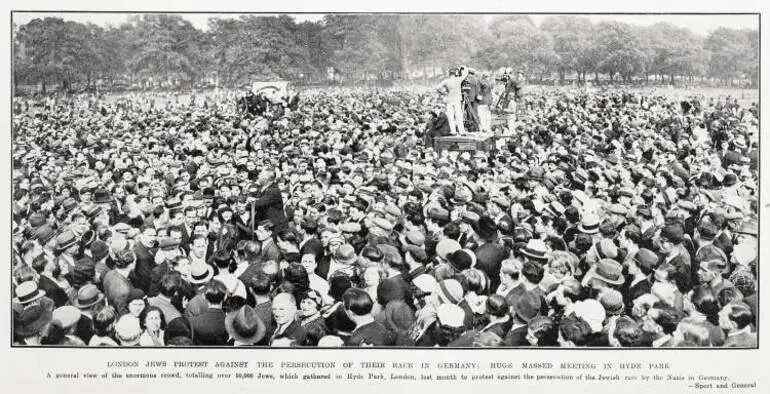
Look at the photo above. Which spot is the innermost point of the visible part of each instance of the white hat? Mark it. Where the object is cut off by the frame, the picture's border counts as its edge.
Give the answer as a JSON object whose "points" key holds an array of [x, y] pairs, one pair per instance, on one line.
{"points": [[592, 312]]}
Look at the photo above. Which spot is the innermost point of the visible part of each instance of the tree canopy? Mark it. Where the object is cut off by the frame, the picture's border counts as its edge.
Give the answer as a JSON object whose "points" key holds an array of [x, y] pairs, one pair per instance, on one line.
{"points": [[358, 46]]}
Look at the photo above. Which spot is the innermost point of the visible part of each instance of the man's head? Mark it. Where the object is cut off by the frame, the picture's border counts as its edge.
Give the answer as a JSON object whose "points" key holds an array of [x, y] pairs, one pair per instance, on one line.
{"points": [[284, 308], [735, 316], [357, 302]]}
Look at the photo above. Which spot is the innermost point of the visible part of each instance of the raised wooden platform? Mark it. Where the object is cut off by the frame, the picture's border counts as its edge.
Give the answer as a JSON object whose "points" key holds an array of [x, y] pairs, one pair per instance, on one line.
{"points": [[468, 142]]}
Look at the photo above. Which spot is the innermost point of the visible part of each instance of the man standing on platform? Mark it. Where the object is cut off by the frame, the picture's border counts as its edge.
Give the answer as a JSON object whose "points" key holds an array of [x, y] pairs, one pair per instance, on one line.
{"points": [[485, 100], [452, 87]]}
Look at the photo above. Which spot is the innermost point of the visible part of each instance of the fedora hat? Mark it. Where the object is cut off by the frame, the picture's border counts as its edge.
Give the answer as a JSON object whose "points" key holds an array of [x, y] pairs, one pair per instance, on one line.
{"points": [[608, 271], [200, 273], [88, 295], [27, 292], [245, 325], [536, 249]]}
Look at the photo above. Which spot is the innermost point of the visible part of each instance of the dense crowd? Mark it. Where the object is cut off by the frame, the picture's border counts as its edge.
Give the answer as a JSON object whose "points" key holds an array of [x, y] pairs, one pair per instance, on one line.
{"points": [[604, 218]]}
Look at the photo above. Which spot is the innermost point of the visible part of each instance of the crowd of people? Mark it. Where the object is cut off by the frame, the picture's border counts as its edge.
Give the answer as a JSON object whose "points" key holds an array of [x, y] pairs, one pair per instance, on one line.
{"points": [[608, 218]]}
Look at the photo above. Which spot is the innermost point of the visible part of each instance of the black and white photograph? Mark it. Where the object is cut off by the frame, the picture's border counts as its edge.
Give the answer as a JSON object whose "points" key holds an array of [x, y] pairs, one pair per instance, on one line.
{"points": [[389, 180]]}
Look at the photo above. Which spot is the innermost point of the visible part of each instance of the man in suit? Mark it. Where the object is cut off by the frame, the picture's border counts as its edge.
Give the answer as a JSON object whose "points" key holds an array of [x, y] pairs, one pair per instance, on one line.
{"points": [[268, 203], [209, 326], [287, 328], [145, 257], [737, 319], [269, 250]]}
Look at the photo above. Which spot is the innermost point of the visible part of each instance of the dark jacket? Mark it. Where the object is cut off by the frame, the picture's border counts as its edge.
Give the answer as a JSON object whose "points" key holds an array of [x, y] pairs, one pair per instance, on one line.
{"points": [[209, 328], [53, 291], [489, 258], [145, 262], [269, 205]]}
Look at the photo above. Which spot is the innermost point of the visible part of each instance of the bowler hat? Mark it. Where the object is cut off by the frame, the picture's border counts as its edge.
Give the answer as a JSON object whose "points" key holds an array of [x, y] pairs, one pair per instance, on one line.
{"points": [[88, 296], [527, 306], [607, 270]]}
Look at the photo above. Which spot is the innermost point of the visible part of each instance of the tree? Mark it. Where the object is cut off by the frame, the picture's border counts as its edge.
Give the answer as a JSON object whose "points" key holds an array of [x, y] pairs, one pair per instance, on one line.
{"points": [[571, 37], [165, 46], [56, 51], [618, 50]]}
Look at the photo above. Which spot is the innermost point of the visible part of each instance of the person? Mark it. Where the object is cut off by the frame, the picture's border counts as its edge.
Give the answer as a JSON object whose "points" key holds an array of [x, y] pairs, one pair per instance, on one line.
{"points": [[452, 88], [368, 332], [485, 100], [582, 207], [153, 322], [209, 326], [737, 320]]}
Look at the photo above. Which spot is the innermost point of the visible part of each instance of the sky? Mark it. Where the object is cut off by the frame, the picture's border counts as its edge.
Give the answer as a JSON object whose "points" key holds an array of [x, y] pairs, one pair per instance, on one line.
{"points": [[700, 24]]}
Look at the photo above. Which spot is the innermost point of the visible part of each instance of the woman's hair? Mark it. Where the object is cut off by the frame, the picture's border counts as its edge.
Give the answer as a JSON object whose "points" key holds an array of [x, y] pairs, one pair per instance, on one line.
{"points": [[628, 333], [146, 311], [55, 334]]}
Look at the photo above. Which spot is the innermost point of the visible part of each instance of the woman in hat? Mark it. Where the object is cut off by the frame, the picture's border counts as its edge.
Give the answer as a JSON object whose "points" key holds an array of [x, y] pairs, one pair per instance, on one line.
{"points": [[309, 313], [153, 323]]}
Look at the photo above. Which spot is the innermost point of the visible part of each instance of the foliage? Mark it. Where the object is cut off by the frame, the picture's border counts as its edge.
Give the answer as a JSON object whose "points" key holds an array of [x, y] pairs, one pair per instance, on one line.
{"points": [[358, 46]]}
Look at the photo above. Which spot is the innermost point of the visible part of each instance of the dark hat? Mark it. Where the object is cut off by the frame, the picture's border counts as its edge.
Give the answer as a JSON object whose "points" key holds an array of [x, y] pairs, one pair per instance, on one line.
{"points": [[245, 325], [398, 316], [372, 253], [527, 306], [102, 196], [646, 259], [167, 243], [460, 260], [438, 214], [607, 270], [99, 250], [673, 233], [417, 253], [69, 204], [44, 234], [36, 220], [88, 296], [607, 228], [486, 227], [707, 229], [31, 320]]}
